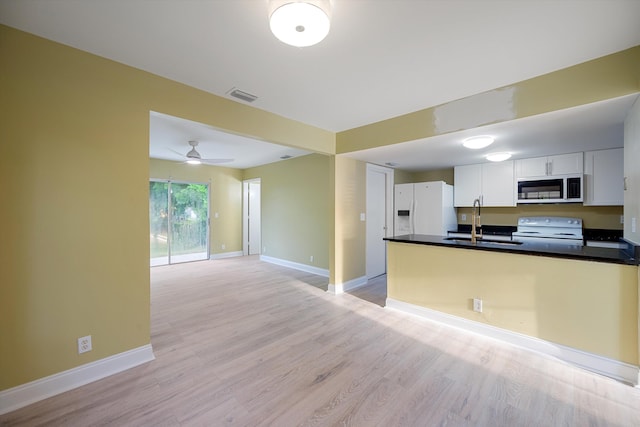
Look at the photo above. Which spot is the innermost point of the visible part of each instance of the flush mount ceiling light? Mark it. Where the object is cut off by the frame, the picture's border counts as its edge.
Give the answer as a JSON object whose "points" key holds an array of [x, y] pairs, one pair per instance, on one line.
{"points": [[498, 157], [477, 142], [300, 23]]}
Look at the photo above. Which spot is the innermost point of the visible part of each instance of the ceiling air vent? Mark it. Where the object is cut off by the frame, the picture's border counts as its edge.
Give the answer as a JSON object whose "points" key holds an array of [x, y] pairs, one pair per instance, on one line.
{"points": [[237, 93], [285, 157]]}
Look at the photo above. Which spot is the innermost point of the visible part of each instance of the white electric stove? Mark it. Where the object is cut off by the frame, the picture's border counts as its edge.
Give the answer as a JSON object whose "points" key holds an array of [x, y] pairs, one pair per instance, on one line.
{"points": [[549, 229]]}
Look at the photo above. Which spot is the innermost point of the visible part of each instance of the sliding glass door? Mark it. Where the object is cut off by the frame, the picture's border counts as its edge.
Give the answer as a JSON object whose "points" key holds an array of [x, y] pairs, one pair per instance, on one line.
{"points": [[159, 222], [179, 220]]}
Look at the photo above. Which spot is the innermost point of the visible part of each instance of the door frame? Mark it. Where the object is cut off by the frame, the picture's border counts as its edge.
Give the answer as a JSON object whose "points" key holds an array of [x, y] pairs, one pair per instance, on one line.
{"points": [[388, 213], [245, 215]]}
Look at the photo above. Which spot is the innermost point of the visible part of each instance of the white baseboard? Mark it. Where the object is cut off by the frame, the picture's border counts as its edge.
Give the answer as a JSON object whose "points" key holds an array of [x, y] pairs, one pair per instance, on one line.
{"points": [[341, 288], [296, 265], [34, 391], [611, 368], [225, 255]]}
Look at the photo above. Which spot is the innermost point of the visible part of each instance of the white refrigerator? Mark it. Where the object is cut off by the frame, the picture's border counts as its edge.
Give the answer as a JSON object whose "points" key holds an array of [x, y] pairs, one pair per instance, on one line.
{"points": [[424, 208]]}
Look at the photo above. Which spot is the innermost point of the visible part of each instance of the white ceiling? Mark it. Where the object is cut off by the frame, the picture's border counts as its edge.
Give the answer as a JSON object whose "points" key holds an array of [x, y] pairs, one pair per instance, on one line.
{"points": [[382, 58], [588, 127], [170, 138]]}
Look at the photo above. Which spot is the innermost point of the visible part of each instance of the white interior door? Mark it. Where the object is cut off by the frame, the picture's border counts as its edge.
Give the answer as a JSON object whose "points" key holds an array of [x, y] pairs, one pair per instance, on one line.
{"points": [[378, 218], [251, 228]]}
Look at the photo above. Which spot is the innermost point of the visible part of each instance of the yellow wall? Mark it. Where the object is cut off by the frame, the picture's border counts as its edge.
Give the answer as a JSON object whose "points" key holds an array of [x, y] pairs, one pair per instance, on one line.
{"points": [[603, 78], [606, 217], [225, 188], [584, 305], [403, 177], [74, 161], [350, 232], [295, 209], [445, 175]]}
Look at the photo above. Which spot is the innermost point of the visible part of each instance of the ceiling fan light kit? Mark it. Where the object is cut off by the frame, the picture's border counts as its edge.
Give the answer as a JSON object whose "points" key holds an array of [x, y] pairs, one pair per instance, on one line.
{"points": [[194, 158], [300, 23]]}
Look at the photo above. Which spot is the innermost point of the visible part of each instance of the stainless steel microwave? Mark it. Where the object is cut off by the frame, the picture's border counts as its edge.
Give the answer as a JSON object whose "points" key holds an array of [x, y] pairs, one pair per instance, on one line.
{"points": [[550, 189]]}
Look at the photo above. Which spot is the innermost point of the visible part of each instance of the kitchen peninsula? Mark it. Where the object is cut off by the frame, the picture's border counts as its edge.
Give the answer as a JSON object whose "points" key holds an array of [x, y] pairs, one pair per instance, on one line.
{"points": [[579, 304]]}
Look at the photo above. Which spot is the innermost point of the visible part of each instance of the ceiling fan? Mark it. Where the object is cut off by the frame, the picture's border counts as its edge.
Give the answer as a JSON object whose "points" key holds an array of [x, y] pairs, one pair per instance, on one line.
{"points": [[194, 158]]}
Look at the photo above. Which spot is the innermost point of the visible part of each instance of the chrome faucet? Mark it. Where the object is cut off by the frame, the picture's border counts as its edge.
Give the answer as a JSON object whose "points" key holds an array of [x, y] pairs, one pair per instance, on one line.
{"points": [[476, 228]]}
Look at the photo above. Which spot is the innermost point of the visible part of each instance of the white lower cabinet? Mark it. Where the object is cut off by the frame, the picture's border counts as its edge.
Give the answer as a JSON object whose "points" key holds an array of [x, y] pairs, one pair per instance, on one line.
{"points": [[493, 183], [604, 177]]}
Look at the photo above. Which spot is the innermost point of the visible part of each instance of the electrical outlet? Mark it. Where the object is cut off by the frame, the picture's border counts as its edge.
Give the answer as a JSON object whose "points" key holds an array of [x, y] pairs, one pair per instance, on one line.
{"points": [[621, 219], [311, 258], [477, 305], [223, 246], [633, 225], [84, 344], [464, 217]]}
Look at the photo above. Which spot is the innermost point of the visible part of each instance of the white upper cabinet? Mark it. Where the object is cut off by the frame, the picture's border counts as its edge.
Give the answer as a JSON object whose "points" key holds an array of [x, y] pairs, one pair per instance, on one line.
{"points": [[604, 177], [493, 183], [531, 167], [563, 164], [498, 184], [466, 184]]}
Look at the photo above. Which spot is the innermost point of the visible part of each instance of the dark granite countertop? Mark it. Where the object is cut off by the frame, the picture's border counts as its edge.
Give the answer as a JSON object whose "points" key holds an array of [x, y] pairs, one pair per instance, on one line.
{"points": [[602, 235], [493, 230], [629, 256]]}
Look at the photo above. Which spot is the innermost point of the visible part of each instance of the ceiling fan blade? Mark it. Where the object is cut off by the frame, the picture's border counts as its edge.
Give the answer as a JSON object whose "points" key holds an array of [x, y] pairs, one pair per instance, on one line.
{"points": [[177, 152], [216, 161]]}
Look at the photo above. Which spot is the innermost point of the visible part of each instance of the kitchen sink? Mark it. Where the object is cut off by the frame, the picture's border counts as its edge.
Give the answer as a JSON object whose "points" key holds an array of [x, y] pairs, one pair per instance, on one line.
{"points": [[499, 242]]}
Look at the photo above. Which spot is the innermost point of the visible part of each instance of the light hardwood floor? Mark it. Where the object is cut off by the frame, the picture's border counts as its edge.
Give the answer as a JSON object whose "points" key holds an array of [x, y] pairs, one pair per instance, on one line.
{"points": [[241, 342], [375, 291]]}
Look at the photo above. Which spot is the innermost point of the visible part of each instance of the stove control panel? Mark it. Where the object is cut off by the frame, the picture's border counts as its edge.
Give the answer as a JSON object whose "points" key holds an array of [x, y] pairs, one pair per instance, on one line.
{"points": [[550, 221]]}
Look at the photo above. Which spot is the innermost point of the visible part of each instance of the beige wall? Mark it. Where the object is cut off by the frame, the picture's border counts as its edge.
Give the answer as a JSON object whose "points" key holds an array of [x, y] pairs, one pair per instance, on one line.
{"points": [[584, 305], [225, 188], [74, 160], [295, 208], [632, 173]]}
